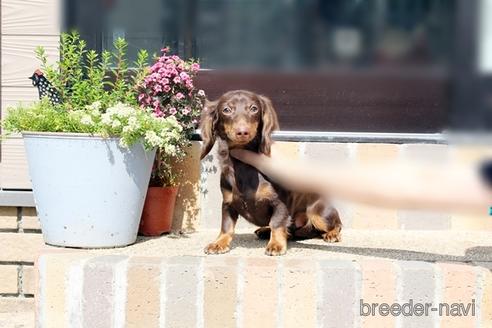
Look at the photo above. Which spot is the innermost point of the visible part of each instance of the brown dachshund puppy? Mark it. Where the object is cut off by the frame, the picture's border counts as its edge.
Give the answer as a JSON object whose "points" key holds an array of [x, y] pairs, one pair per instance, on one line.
{"points": [[242, 119]]}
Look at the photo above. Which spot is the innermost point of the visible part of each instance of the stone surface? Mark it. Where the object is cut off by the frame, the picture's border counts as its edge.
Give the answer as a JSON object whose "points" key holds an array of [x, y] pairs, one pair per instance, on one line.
{"points": [[371, 153], [143, 292], [222, 291], [187, 209], [23, 247], [470, 154], [298, 294], [356, 244], [183, 292], [29, 220], [370, 217], [8, 218], [220, 280], [425, 153], [459, 283], [210, 195], [8, 279], [420, 220], [471, 222], [333, 153], [339, 294], [288, 150], [54, 268], [418, 281], [260, 293], [98, 291], [378, 286], [16, 304], [16, 312], [28, 280], [486, 302]]}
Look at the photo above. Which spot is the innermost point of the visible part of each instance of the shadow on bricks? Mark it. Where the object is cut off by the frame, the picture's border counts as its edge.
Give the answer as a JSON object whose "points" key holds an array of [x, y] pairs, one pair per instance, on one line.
{"points": [[479, 256]]}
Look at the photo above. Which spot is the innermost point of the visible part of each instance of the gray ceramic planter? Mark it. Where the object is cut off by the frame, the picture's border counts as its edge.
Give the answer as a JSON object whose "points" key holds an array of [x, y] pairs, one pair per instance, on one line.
{"points": [[89, 192]]}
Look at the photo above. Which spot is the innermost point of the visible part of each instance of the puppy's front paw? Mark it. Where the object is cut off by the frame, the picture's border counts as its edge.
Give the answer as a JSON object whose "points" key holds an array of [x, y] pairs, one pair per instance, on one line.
{"points": [[275, 248], [216, 248]]}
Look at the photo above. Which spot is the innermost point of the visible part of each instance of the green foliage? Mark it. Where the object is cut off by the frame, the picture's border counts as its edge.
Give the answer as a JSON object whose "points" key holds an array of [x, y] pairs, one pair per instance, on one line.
{"points": [[99, 97], [129, 123], [82, 76], [42, 116]]}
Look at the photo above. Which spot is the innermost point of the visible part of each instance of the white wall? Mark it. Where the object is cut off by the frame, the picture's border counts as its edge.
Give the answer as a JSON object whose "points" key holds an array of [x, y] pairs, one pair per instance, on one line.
{"points": [[25, 24]]}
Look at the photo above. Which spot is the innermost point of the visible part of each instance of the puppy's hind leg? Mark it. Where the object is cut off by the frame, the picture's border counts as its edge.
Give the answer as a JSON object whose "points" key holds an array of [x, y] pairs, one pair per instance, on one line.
{"points": [[263, 233], [326, 220]]}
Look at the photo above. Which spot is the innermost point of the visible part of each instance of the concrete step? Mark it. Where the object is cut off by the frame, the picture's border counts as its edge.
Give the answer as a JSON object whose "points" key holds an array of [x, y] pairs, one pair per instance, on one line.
{"points": [[168, 282]]}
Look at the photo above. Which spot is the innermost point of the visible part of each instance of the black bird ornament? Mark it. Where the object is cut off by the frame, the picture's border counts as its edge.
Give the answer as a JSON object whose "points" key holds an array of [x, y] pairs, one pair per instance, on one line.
{"points": [[45, 88]]}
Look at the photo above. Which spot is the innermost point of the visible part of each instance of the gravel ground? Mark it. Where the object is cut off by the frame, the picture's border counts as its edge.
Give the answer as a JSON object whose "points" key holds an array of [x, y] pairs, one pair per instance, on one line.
{"points": [[402, 245]]}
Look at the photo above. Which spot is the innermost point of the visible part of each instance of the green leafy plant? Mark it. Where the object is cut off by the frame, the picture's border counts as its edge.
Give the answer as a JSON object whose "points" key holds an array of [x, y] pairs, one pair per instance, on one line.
{"points": [[130, 124], [99, 96], [82, 76]]}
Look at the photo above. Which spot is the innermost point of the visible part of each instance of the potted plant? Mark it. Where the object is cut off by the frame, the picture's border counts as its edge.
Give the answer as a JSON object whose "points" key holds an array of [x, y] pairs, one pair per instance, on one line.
{"points": [[89, 145], [169, 90]]}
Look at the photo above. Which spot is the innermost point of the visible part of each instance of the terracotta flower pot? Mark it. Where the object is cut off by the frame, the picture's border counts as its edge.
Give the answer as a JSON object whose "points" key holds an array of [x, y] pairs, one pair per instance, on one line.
{"points": [[157, 215]]}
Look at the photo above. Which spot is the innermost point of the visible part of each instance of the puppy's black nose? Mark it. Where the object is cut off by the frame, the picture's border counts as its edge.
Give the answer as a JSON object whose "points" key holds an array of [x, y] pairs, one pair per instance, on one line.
{"points": [[242, 133]]}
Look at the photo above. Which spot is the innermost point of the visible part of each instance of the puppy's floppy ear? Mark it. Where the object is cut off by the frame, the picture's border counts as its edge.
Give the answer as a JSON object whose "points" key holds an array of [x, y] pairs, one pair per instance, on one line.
{"points": [[208, 126], [269, 123]]}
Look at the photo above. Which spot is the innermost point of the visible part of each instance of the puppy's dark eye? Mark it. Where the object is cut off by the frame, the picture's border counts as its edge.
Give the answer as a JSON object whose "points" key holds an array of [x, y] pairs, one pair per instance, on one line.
{"points": [[253, 109], [226, 110]]}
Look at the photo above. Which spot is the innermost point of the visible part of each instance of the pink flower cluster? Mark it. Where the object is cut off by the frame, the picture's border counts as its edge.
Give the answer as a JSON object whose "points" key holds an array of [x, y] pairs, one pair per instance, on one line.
{"points": [[169, 90]]}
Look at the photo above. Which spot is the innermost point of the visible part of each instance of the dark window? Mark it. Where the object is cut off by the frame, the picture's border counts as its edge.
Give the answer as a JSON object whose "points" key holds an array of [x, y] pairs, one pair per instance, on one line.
{"points": [[333, 65]]}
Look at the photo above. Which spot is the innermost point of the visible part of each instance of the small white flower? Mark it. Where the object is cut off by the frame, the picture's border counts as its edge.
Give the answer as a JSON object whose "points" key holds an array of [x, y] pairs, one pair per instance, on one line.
{"points": [[106, 118], [115, 124], [120, 110], [201, 93], [96, 105], [95, 113], [133, 123], [123, 143], [86, 120], [153, 139], [170, 149]]}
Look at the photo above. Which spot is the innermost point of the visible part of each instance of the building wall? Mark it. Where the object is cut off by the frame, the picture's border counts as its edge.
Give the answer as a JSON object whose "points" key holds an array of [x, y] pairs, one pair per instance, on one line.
{"points": [[21, 242], [25, 24]]}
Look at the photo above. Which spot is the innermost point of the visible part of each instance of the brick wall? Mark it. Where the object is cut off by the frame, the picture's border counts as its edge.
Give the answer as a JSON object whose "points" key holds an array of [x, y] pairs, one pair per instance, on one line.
{"points": [[103, 291], [20, 244]]}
